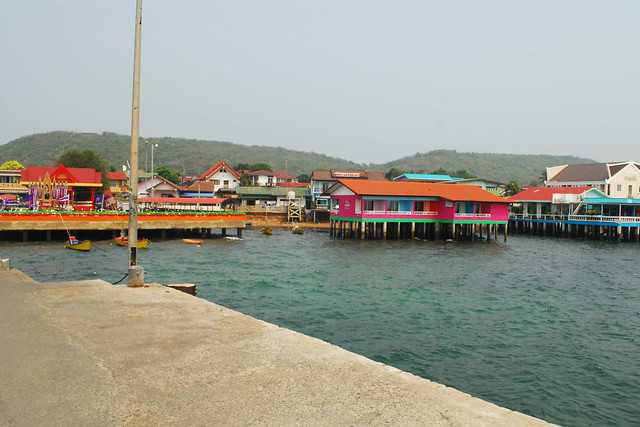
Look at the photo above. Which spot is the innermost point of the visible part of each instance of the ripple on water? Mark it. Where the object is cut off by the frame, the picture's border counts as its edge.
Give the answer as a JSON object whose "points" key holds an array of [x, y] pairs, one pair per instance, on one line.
{"points": [[535, 325]]}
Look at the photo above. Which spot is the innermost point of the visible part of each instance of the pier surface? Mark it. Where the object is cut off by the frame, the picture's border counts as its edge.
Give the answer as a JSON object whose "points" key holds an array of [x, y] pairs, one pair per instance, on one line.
{"points": [[89, 353]]}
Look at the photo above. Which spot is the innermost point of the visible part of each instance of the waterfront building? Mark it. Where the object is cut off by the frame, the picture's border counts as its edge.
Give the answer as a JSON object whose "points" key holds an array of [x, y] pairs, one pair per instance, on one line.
{"points": [[322, 180], [381, 209], [61, 187], [191, 204], [494, 187], [278, 198], [158, 187], [616, 179], [268, 178], [575, 211], [118, 183], [425, 177], [223, 177], [11, 190]]}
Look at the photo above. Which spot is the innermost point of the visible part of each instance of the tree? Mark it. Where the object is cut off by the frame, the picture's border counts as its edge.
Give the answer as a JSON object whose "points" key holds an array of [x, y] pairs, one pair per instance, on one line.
{"points": [[245, 180], [242, 166], [511, 188], [463, 173], [260, 166], [392, 173], [440, 171], [303, 177], [168, 173], [85, 159], [11, 165]]}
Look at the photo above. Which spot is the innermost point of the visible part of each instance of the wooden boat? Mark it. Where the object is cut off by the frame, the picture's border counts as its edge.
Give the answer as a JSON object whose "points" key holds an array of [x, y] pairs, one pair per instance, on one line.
{"points": [[124, 241], [83, 246], [193, 241], [297, 230], [267, 231]]}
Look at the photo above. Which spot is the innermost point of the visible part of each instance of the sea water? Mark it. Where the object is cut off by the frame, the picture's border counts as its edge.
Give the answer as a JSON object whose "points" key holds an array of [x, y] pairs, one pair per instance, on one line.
{"points": [[545, 326]]}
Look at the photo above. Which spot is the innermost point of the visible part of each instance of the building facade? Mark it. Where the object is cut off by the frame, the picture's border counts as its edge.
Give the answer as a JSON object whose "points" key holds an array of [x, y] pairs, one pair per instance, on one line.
{"points": [[223, 176], [322, 180], [621, 179], [414, 207]]}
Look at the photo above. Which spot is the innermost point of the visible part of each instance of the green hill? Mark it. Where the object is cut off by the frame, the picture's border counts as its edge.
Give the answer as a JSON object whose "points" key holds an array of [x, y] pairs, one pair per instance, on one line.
{"points": [[194, 156], [522, 168], [189, 155]]}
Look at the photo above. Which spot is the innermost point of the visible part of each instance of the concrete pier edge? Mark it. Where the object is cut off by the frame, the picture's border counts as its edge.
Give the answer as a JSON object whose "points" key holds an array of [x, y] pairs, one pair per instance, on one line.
{"points": [[110, 355]]}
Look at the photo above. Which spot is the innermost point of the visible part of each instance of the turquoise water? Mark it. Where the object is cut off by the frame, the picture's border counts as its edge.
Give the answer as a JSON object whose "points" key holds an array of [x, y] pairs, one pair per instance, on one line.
{"points": [[544, 326]]}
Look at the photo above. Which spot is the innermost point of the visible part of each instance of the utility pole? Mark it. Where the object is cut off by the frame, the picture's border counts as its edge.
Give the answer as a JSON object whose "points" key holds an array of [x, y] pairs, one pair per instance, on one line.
{"points": [[135, 271]]}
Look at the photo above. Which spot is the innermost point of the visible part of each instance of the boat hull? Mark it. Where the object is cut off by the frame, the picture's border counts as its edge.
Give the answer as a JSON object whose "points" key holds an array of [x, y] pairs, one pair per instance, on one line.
{"points": [[123, 241], [84, 246], [192, 241]]}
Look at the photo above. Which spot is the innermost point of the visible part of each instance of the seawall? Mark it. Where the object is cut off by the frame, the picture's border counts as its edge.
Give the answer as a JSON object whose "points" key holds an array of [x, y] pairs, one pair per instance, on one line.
{"points": [[89, 353]]}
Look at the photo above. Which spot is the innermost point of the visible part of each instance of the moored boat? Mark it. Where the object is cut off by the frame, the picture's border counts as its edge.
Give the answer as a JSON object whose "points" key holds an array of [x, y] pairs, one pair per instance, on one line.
{"points": [[297, 230], [267, 231], [193, 241], [124, 241], [82, 246]]}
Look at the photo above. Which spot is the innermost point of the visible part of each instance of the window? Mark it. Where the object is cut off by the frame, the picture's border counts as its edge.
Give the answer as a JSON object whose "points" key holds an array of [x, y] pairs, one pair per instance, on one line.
{"points": [[226, 183], [420, 206], [216, 182], [619, 187], [393, 206], [368, 205]]}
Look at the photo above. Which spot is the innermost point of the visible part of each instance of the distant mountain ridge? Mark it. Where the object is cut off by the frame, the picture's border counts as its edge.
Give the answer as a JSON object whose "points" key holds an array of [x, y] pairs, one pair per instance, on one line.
{"points": [[192, 156]]}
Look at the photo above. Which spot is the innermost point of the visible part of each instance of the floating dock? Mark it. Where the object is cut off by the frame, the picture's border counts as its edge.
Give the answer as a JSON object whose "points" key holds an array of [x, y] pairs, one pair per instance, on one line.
{"points": [[89, 353]]}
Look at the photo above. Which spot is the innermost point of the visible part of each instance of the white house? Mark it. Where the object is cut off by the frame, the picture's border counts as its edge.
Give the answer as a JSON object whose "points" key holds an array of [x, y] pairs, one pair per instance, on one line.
{"points": [[620, 179], [158, 187], [223, 176], [268, 178]]}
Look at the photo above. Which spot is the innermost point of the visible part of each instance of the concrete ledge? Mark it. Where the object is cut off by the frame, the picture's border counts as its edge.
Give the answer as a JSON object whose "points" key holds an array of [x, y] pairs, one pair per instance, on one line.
{"points": [[110, 355]]}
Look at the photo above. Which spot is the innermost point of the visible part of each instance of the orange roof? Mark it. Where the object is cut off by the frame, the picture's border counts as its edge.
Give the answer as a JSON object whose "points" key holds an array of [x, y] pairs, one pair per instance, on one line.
{"points": [[545, 194], [215, 168], [453, 192]]}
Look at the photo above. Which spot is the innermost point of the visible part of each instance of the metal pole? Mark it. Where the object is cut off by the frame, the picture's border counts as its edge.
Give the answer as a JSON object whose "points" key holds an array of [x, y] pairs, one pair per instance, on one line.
{"points": [[135, 272]]}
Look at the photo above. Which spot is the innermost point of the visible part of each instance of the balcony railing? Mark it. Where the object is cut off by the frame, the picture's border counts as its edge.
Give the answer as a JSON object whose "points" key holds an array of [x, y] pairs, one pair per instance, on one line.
{"points": [[403, 213], [473, 215], [590, 218]]}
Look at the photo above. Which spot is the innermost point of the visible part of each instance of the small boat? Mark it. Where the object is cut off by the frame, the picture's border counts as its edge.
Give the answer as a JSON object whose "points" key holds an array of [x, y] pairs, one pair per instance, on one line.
{"points": [[76, 245], [267, 231], [297, 230], [193, 241], [124, 241], [231, 238]]}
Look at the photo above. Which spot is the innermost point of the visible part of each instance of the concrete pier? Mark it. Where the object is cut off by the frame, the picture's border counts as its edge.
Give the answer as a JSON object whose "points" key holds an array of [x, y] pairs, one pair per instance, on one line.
{"points": [[89, 353]]}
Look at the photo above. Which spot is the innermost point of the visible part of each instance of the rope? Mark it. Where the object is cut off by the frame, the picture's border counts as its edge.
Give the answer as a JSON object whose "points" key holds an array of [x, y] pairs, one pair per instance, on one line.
{"points": [[123, 277], [65, 226]]}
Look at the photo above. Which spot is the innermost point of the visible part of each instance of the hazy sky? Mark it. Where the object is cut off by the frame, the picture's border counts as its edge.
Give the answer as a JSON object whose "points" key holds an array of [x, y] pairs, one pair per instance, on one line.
{"points": [[363, 79]]}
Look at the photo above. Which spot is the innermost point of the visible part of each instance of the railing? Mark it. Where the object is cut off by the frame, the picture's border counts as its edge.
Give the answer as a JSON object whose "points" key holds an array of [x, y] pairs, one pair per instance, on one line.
{"points": [[404, 213], [473, 215], [591, 218]]}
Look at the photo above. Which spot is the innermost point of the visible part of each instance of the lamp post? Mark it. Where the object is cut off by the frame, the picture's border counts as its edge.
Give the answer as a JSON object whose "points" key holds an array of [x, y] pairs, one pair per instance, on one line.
{"points": [[135, 271], [153, 146]]}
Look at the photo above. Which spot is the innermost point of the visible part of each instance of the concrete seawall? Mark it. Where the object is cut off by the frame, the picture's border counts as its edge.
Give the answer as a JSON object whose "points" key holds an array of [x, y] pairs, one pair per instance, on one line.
{"points": [[88, 353]]}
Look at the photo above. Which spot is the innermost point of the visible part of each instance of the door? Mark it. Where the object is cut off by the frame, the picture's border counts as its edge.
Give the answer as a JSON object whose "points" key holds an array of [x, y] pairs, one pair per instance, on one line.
{"points": [[358, 206]]}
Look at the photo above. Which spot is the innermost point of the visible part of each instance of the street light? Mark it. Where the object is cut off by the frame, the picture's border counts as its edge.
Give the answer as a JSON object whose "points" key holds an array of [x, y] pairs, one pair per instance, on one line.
{"points": [[153, 146]]}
